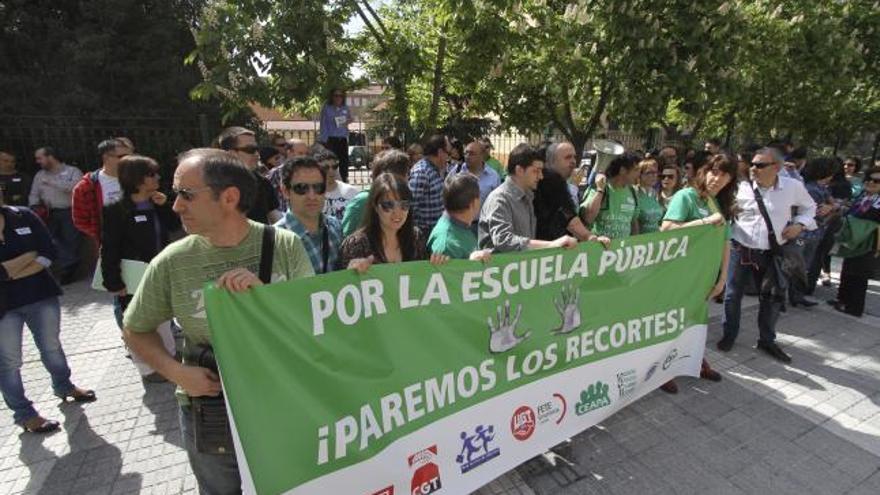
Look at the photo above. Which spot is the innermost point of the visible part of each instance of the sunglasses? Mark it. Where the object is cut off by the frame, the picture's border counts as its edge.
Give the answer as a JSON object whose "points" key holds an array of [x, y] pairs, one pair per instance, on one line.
{"points": [[389, 205], [248, 148], [189, 194], [761, 165], [302, 188], [667, 176]]}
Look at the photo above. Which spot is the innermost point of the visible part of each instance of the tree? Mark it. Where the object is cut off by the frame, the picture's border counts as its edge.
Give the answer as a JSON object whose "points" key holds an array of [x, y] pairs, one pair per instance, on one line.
{"points": [[96, 58], [283, 54]]}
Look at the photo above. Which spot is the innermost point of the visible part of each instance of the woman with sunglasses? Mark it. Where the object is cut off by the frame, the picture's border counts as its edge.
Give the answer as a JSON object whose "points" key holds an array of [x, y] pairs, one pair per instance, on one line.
{"points": [[388, 234], [851, 167], [859, 247], [335, 118], [670, 183], [136, 228], [29, 295], [650, 209], [710, 201]]}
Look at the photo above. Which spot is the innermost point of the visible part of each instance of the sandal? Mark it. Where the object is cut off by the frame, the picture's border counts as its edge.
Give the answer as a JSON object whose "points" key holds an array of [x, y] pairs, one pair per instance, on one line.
{"points": [[79, 395], [39, 424]]}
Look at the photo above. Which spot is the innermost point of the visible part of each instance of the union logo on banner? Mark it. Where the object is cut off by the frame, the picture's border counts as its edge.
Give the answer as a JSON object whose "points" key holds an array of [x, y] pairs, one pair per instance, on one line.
{"points": [[426, 478]]}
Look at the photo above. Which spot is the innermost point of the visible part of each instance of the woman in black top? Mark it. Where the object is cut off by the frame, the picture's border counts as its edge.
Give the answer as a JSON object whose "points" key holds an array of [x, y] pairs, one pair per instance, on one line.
{"points": [[29, 294], [136, 227]]}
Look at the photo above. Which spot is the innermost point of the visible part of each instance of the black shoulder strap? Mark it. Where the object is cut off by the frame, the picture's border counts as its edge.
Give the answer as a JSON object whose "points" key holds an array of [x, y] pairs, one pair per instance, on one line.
{"points": [[267, 254], [771, 234]]}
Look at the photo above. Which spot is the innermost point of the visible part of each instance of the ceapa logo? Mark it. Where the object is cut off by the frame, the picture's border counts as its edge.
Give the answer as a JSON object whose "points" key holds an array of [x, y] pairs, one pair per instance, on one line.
{"points": [[426, 478], [522, 424], [475, 449], [388, 490], [552, 410], [626, 383], [594, 397]]}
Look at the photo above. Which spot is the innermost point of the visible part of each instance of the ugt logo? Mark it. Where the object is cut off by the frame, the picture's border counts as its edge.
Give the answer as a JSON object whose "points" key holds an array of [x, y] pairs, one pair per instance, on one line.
{"points": [[594, 397], [522, 424], [426, 478], [475, 448]]}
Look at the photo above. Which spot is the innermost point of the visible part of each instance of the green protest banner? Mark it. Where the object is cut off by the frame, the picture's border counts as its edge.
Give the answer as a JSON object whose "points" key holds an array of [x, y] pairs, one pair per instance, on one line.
{"points": [[437, 379]]}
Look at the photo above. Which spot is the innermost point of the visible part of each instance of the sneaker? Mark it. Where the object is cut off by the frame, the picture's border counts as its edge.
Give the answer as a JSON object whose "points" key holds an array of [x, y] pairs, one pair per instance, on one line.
{"points": [[725, 344], [774, 351]]}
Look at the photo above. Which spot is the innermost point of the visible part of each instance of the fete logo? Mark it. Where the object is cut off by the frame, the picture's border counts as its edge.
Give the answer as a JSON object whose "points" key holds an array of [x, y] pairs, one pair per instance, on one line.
{"points": [[426, 478], [475, 449], [522, 424], [626, 383], [594, 397], [552, 410], [388, 490]]}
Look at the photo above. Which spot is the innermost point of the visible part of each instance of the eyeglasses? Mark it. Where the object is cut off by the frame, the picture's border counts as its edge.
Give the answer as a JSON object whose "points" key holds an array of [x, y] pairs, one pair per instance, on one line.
{"points": [[667, 176], [302, 188], [248, 148], [875, 180], [189, 194], [389, 205], [761, 165]]}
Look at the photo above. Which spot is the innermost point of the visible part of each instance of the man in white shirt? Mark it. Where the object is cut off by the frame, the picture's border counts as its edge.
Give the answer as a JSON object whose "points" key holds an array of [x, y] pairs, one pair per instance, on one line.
{"points": [[338, 193], [751, 246]]}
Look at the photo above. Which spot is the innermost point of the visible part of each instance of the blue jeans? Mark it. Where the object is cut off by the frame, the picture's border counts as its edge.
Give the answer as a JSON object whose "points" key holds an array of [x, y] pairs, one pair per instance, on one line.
{"points": [[745, 262], [44, 320], [217, 474], [65, 236]]}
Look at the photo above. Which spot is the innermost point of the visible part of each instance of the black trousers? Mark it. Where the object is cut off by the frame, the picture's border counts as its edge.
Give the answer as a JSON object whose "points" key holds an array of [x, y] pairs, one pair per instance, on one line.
{"points": [[854, 278], [339, 147]]}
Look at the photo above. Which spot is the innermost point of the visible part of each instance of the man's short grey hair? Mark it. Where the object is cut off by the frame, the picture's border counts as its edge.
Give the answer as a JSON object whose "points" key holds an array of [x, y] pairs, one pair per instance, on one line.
{"points": [[772, 153], [553, 151], [220, 171]]}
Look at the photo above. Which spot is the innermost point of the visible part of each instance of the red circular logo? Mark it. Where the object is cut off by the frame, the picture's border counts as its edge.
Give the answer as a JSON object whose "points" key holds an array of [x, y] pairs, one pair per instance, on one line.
{"points": [[522, 424]]}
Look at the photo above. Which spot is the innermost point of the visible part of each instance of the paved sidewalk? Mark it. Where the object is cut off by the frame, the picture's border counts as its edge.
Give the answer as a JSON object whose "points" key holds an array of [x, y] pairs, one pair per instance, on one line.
{"points": [[811, 427]]}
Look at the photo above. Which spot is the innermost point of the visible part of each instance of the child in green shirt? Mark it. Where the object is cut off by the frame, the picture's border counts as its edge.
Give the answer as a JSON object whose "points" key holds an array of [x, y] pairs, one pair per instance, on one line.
{"points": [[452, 236]]}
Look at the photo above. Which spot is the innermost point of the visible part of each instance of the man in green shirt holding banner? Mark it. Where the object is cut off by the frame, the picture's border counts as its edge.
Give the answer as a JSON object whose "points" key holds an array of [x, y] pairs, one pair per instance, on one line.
{"points": [[214, 191], [452, 236]]}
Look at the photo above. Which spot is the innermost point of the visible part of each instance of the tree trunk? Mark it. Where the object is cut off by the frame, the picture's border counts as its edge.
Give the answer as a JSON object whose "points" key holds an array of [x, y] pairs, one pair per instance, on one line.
{"points": [[431, 124]]}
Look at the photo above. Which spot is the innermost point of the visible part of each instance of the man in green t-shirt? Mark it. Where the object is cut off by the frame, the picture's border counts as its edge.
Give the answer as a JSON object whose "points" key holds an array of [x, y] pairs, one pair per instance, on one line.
{"points": [[452, 236], [490, 161], [214, 191], [611, 207]]}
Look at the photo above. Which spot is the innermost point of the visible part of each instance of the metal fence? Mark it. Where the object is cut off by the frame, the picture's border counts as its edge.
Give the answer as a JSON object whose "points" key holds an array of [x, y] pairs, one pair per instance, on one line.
{"points": [[75, 139]]}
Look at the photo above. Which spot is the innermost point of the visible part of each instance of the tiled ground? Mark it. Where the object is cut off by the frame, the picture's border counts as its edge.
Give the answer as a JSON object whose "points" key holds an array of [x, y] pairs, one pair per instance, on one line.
{"points": [[812, 427]]}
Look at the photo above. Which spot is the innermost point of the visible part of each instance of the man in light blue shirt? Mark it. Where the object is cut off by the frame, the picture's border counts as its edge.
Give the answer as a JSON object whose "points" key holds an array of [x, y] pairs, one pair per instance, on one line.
{"points": [[474, 165]]}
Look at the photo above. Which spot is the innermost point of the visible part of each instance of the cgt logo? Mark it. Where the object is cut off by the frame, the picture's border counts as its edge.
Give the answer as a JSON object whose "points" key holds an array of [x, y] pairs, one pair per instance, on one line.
{"points": [[426, 478], [522, 424], [389, 490]]}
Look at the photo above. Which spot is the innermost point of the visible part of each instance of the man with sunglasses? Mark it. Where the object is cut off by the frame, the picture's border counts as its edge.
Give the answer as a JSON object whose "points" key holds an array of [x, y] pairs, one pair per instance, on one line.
{"points": [[214, 190], [242, 144], [304, 185], [98, 189], [753, 248]]}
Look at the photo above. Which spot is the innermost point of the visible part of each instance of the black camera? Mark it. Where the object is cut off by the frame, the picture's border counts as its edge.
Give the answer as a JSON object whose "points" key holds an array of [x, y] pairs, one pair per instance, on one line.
{"points": [[204, 357]]}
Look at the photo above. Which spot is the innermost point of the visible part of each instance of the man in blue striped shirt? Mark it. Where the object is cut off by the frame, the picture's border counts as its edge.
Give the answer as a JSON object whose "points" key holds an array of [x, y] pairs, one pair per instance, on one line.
{"points": [[304, 183], [426, 183]]}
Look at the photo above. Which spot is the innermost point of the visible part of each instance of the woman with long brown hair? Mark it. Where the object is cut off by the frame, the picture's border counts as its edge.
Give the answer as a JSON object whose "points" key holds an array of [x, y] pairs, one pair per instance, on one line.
{"points": [[710, 201], [670, 183], [388, 234]]}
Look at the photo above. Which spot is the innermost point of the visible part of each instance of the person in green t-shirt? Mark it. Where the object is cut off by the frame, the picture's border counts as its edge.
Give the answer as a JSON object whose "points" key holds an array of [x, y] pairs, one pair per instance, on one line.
{"points": [[392, 161], [710, 201], [491, 162], [214, 191], [650, 210], [611, 207], [452, 236]]}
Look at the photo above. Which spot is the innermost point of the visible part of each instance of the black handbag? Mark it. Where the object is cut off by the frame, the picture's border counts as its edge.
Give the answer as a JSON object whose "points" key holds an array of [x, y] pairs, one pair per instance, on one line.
{"points": [[787, 259], [211, 431]]}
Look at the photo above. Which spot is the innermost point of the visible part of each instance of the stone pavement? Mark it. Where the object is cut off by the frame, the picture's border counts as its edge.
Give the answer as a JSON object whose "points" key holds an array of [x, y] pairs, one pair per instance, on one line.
{"points": [[811, 427]]}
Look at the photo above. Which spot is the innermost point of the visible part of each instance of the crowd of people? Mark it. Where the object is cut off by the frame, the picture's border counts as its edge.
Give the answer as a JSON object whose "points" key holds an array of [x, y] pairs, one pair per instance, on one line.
{"points": [[242, 215]]}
